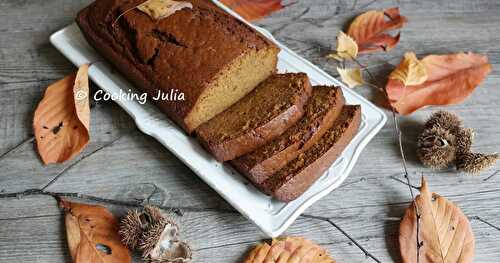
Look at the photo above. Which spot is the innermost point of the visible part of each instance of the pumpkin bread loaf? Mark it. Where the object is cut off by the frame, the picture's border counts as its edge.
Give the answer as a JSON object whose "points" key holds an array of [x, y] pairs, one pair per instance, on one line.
{"points": [[297, 176], [204, 53], [321, 110], [264, 114]]}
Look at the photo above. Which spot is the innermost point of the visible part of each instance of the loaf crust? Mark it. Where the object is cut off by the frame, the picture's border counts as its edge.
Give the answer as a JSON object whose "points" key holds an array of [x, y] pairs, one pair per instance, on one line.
{"points": [[264, 114], [293, 180], [192, 51], [321, 110]]}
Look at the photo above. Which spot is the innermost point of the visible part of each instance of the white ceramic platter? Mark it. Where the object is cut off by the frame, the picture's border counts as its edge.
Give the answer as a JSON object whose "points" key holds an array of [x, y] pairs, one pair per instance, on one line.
{"points": [[271, 216]]}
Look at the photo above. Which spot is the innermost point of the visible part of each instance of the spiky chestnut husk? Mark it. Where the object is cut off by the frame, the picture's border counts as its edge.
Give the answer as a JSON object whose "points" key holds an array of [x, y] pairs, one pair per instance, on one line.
{"points": [[131, 227], [464, 137], [160, 244], [183, 255], [151, 237], [135, 223], [474, 163], [436, 147], [154, 214], [445, 120]]}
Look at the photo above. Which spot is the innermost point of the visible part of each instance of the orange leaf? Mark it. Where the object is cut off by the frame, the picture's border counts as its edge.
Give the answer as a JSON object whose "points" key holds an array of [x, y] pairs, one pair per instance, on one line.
{"points": [[289, 249], [451, 79], [369, 30], [253, 9], [92, 234], [444, 231], [62, 119]]}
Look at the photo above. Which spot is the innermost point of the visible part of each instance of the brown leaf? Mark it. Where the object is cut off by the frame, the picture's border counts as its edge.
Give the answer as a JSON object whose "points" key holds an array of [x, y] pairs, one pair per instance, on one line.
{"points": [[444, 230], [369, 30], [62, 119], [252, 10], [289, 249], [159, 9], [451, 79], [92, 234]]}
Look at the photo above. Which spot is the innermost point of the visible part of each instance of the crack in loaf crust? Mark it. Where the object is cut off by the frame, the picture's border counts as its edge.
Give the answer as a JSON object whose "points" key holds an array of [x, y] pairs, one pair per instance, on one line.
{"points": [[294, 179], [264, 114], [321, 111], [213, 58]]}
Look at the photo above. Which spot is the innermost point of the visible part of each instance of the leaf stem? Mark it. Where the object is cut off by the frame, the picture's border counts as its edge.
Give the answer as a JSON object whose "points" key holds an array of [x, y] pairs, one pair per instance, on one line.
{"points": [[328, 220], [176, 210], [126, 11], [399, 135]]}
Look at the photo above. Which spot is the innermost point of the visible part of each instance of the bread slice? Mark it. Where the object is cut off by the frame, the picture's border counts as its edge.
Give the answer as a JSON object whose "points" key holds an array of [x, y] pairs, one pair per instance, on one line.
{"points": [[297, 176], [321, 110], [203, 53], [265, 113]]}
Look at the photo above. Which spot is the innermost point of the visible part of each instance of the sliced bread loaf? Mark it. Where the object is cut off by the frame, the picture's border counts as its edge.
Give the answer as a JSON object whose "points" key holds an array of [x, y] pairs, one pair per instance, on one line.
{"points": [[297, 176], [321, 110], [209, 56], [265, 113]]}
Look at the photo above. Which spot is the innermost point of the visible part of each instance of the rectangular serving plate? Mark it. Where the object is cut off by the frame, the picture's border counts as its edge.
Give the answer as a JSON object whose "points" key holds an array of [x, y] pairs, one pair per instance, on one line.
{"points": [[271, 216]]}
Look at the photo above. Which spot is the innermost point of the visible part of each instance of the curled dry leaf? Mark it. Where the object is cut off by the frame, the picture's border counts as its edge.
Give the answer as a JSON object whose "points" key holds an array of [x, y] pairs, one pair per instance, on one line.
{"points": [[289, 249], [410, 71], [369, 30], [159, 9], [252, 10], [444, 231], [92, 234], [347, 49], [451, 79], [351, 76], [62, 119]]}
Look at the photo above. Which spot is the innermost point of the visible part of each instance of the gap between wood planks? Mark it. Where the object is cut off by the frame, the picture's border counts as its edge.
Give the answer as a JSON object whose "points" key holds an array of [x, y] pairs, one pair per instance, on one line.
{"points": [[67, 168], [179, 211], [28, 217], [93, 105], [176, 210], [319, 21]]}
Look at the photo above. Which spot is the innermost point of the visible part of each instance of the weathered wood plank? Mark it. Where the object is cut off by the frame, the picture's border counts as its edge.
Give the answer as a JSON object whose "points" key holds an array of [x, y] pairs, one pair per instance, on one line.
{"points": [[227, 236], [22, 168]]}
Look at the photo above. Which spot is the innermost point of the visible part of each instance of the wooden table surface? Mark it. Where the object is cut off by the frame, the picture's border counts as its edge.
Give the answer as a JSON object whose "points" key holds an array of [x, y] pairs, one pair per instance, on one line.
{"points": [[127, 167]]}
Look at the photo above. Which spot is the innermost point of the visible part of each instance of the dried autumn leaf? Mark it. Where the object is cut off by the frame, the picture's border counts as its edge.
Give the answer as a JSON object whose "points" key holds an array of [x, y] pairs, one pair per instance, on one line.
{"points": [[159, 9], [347, 48], [369, 30], [92, 234], [252, 10], [289, 249], [410, 71], [451, 79], [444, 230], [62, 119], [351, 76]]}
